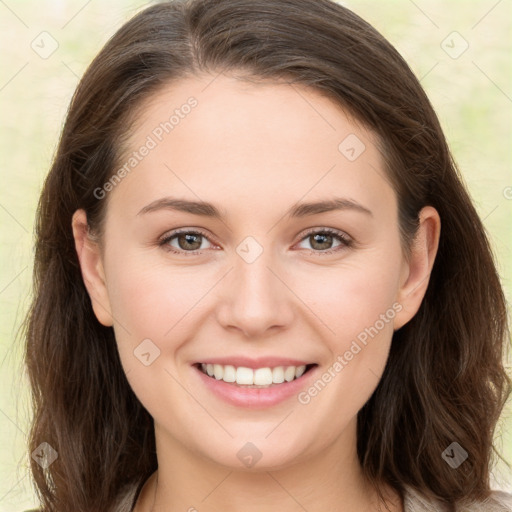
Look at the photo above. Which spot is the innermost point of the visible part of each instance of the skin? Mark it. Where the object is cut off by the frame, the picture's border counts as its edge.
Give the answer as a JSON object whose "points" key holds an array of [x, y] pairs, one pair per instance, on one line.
{"points": [[254, 150]]}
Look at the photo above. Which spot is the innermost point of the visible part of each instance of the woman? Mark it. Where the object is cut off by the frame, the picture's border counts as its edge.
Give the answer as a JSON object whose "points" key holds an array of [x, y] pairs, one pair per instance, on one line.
{"points": [[259, 281]]}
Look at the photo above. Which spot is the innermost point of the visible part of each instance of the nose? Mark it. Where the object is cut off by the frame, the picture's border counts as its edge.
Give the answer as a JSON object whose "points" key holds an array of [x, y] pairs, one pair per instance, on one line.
{"points": [[254, 298]]}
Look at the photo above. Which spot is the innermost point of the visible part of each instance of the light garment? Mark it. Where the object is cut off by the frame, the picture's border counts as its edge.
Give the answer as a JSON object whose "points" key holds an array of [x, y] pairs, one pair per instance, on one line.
{"points": [[413, 502], [498, 502]]}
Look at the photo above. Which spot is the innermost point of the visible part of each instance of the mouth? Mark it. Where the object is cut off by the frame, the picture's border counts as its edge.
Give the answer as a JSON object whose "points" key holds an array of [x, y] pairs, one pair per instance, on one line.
{"points": [[260, 378]]}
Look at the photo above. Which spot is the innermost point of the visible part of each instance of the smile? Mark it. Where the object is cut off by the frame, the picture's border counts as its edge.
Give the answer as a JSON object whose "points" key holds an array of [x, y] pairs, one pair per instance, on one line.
{"points": [[254, 383], [254, 377]]}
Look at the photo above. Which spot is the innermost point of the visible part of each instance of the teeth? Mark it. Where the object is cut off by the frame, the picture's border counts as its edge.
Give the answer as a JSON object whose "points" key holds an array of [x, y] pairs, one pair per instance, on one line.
{"points": [[263, 377], [218, 371], [278, 375], [244, 375], [248, 377], [229, 373], [299, 371]]}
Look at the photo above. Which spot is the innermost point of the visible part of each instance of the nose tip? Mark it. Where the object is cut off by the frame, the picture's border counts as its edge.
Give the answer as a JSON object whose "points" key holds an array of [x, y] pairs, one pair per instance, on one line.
{"points": [[254, 300]]}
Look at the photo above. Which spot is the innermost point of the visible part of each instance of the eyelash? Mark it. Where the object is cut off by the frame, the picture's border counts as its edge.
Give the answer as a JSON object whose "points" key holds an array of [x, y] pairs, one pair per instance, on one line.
{"points": [[345, 241]]}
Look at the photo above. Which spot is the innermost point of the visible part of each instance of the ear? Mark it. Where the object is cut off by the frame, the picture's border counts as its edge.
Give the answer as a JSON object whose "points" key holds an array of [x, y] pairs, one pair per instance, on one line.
{"points": [[91, 264], [417, 268]]}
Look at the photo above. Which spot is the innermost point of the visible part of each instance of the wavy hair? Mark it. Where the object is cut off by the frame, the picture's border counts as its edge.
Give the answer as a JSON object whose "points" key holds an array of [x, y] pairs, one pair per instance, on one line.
{"points": [[444, 380]]}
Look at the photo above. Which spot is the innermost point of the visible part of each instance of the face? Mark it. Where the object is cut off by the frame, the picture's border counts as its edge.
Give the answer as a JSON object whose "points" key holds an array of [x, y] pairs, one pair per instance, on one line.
{"points": [[295, 262]]}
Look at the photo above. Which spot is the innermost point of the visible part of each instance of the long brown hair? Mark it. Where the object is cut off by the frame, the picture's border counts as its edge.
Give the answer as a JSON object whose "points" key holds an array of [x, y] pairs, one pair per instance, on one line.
{"points": [[444, 380]]}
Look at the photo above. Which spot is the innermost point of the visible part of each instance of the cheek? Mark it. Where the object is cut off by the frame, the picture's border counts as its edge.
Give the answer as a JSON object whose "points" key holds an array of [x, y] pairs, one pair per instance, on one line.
{"points": [[357, 309], [356, 304], [150, 298], [352, 298], [152, 305]]}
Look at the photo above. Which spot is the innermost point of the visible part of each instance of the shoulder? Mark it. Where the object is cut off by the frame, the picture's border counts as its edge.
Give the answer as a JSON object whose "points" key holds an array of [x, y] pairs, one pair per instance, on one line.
{"points": [[498, 501], [125, 503]]}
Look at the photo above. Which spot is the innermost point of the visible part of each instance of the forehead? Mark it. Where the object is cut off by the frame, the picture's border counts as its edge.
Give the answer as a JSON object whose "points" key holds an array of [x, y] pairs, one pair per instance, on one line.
{"points": [[221, 138], [239, 109]]}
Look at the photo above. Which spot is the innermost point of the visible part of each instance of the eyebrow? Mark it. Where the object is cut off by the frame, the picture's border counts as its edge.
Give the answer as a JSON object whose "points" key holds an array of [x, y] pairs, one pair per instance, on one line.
{"points": [[206, 209]]}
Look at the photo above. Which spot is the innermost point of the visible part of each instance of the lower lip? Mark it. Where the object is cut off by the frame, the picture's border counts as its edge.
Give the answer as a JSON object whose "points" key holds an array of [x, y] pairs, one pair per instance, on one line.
{"points": [[255, 398]]}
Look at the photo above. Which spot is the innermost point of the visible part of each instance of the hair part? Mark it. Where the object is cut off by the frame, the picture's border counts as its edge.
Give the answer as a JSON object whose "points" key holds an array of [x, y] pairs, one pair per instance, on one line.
{"points": [[444, 380]]}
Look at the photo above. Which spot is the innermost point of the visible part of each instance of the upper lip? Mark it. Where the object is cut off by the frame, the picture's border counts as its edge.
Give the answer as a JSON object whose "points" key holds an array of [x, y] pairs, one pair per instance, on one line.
{"points": [[259, 362]]}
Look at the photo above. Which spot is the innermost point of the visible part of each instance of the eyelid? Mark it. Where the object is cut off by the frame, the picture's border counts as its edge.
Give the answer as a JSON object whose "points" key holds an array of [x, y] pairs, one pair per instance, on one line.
{"points": [[177, 231], [344, 238], [166, 238], [346, 241]]}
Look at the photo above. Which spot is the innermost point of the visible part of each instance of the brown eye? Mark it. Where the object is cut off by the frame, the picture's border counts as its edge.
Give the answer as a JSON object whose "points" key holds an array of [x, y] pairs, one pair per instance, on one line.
{"points": [[326, 241], [189, 241], [321, 241], [185, 241]]}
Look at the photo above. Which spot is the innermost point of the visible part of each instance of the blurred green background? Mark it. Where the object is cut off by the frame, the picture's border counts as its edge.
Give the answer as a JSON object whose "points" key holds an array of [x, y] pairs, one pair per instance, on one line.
{"points": [[460, 50]]}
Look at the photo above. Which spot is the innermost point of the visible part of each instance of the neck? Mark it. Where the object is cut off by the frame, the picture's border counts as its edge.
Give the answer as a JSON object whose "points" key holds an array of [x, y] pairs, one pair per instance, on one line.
{"points": [[331, 480]]}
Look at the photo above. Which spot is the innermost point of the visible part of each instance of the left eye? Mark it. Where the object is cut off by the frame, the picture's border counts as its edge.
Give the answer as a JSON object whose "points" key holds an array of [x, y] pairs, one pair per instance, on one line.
{"points": [[187, 241], [322, 241]]}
